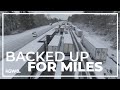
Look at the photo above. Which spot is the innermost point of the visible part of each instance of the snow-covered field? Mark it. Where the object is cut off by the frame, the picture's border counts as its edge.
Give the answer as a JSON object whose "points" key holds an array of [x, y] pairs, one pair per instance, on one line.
{"points": [[110, 66]]}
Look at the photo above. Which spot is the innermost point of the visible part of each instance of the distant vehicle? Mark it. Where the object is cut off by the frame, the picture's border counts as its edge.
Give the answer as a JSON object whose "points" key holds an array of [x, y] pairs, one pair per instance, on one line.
{"points": [[66, 32], [63, 23], [68, 23], [61, 30], [49, 36], [59, 26], [34, 34], [78, 32], [50, 24], [56, 30]]}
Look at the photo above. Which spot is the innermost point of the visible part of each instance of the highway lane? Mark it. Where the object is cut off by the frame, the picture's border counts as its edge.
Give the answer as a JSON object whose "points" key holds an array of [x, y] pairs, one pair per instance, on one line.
{"points": [[15, 42]]}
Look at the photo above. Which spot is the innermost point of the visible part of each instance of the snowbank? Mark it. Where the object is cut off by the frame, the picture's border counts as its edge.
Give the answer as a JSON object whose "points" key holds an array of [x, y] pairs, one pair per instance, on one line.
{"points": [[110, 66]]}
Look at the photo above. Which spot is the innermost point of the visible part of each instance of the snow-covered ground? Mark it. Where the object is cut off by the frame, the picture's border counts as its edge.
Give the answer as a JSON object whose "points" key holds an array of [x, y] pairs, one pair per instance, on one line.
{"points": [[19, 41], [110, 64], [15, 42]]}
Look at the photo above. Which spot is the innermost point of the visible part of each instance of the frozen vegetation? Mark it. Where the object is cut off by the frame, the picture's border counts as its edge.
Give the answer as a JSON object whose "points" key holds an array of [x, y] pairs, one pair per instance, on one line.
{"points": [[110, 66]]}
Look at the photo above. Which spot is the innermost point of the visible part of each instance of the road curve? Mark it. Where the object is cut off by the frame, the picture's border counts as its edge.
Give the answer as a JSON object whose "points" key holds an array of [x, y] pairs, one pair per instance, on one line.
{"points": [[23, 38]]}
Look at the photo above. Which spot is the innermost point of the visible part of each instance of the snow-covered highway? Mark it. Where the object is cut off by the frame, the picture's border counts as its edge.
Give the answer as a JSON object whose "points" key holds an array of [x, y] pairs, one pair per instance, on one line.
{"points": [[15, 42], [109, 67]]}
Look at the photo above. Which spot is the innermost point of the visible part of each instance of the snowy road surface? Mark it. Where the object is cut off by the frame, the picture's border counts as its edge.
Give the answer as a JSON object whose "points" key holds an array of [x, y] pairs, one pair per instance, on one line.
{"points": [[111, 62], [109, 65], [15, 42]]}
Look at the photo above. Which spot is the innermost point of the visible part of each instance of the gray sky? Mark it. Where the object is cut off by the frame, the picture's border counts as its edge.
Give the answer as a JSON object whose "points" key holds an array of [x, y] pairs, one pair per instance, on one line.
{"points": [[60, 16]]}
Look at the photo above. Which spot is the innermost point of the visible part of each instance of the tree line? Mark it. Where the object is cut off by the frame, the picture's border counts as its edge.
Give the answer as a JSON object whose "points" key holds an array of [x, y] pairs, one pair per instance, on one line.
{"points": [[105, 25], [16, 23]]}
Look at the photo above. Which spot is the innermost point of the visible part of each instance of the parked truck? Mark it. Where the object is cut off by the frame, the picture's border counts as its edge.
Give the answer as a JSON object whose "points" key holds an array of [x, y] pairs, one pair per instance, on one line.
{"points": [[78, 32], [54, 44], [68, 44], [96, 50]]}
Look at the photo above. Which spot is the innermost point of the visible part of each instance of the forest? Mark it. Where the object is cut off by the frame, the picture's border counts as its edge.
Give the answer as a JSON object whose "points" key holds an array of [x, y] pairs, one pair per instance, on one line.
{"points": [[104, 25], [17, 23]]}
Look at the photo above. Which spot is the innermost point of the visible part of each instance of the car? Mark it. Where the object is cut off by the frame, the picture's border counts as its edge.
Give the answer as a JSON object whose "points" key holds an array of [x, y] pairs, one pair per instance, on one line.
{"points": [[34, 34], [50, 24]]}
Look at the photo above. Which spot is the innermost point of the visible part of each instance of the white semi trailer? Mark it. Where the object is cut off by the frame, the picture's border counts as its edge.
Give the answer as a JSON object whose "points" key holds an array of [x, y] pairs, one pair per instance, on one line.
{"points": [[68, 44], [96, 50], [78, 32], [54, 44]]}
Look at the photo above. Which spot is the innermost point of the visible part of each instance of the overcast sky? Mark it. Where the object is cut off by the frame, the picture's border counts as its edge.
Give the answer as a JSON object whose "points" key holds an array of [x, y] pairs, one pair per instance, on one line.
{"points": [[61, 16]]}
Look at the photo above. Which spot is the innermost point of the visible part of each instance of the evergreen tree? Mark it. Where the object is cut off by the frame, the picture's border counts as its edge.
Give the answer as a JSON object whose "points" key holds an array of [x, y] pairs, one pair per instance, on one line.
{"points": [[26, 21]]}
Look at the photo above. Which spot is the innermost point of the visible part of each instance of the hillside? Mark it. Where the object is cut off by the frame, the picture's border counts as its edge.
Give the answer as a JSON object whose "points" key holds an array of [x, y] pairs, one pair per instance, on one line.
{"points": [[103, 25]]}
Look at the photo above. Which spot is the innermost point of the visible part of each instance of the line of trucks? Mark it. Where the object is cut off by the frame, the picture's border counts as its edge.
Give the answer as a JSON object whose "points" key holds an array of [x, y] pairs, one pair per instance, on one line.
{"points": [[96, 51], [51, 41]]}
